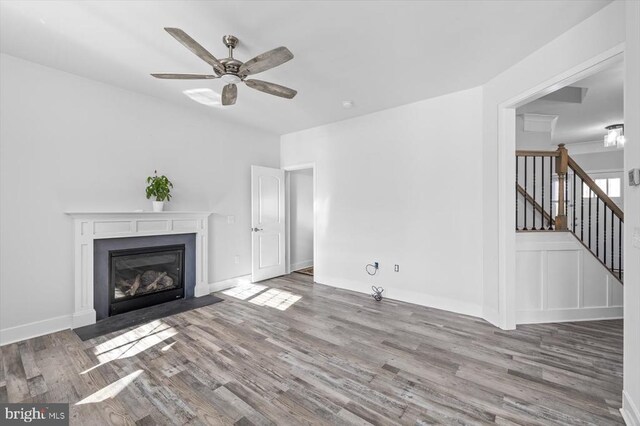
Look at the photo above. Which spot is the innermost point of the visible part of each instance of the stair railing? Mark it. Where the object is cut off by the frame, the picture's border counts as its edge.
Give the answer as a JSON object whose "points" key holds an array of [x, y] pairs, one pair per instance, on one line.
{"points": [[553, 193]]}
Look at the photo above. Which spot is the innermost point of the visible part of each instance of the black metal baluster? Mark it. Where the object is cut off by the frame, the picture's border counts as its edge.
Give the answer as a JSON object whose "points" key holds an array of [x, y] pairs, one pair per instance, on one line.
{"points": [[612, 235], [542, 188], [590, 203], [551, 190], [526, 191], [620, 248], [517, 158], [534, 193], [566, 197], [573, 197], [598, 227], [582, 209], [604, 232]]}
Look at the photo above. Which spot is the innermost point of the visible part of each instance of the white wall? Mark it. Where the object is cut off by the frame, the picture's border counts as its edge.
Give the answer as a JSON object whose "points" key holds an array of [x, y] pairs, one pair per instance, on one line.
{"points": [[301, 218], [558, 279], [68, 143], [631, 395], [532, 140], [400, 186], [597, 161], [592, 37]]}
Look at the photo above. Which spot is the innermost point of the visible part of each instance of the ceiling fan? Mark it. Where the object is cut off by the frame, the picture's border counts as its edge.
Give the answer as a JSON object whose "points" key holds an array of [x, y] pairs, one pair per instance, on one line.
{"points": [[233, 71]]}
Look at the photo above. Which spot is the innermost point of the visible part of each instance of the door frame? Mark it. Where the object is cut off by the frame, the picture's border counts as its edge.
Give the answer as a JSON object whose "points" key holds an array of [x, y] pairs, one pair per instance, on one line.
{"points": [[506, 173], [287, 191]]}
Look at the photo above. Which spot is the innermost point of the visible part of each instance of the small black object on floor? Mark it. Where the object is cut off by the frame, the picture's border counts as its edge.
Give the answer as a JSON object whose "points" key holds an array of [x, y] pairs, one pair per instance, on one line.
{"points": [[133, 318]]}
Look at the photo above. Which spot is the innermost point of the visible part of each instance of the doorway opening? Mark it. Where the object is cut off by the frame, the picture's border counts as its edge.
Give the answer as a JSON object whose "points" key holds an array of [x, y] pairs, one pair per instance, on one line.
{"points": [[301, 219], [569, 201], [565, 91]]}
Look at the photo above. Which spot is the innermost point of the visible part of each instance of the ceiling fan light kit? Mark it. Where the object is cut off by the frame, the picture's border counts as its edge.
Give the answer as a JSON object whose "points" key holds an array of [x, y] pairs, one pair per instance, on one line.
{"points": [[232, 71]]}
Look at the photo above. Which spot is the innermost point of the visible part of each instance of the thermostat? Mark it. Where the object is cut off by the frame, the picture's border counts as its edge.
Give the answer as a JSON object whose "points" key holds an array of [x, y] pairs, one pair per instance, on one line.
{"points": [[634, 177]]}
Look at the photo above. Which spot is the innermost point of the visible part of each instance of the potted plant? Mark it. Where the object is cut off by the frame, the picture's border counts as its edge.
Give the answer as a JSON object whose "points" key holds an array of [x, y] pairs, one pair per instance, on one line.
{"points": [[160, 188]]}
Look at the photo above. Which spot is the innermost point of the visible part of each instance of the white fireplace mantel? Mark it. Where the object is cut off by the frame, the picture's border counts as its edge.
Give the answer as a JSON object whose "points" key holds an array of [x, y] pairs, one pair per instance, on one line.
{"points": [[89, 226]]}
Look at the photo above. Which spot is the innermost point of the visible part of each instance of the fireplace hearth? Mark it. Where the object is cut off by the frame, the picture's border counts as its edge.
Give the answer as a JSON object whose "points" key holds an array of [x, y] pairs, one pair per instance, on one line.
{"points": [[143, 277]]}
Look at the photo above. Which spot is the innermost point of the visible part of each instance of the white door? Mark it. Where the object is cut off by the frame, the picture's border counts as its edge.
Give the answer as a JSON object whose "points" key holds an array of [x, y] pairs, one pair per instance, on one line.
{"points": [[267, 223]]}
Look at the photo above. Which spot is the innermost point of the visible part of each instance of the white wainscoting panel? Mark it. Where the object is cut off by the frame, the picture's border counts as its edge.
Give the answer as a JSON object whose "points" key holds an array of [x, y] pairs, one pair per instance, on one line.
{"points": [[558, 279]]}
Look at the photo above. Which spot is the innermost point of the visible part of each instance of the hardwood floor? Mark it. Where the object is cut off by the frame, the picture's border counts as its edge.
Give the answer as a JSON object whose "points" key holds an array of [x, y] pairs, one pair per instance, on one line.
{"points": [[332, 357]]}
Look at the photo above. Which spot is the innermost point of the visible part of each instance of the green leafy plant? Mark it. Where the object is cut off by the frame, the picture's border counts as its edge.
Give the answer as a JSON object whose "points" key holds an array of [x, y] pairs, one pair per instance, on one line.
{"points": [[159, 187]]}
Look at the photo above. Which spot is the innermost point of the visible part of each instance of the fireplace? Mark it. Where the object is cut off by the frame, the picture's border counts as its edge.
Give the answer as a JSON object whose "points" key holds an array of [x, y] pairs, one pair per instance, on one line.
{"points": [[142, 277], [136, 272]]}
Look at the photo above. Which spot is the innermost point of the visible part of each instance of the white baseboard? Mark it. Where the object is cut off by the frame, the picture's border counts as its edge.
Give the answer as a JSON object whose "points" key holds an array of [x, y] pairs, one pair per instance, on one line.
{"points": [[201, 290], [422, 299], [231, 282], [301, 265], [34, 329], [629, 410], [82, 318], [492, 316], [566, 315], [52, 325]]}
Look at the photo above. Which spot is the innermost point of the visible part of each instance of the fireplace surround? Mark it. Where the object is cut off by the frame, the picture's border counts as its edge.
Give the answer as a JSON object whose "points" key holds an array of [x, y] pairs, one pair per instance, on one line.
{"points": [[92, 229]]}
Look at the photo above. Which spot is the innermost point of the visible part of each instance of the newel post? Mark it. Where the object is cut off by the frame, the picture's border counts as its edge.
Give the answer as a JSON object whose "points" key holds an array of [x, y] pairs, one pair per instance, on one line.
{"points": [[562, 165]]}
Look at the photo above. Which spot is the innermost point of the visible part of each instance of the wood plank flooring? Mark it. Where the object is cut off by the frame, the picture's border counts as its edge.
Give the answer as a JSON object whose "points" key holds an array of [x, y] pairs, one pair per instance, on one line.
{"points": [[332, 357]]}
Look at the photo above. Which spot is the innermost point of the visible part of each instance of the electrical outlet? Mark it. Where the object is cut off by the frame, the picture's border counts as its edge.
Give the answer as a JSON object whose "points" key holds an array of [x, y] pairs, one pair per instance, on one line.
{"points": [[636, 237], [231, 220], [236, 260], [396, 268], [376, 265]]}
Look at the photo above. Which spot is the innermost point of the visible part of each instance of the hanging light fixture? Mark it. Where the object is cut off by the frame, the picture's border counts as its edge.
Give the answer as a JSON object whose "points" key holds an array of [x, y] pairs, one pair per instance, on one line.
{"points": [[614, 136]]}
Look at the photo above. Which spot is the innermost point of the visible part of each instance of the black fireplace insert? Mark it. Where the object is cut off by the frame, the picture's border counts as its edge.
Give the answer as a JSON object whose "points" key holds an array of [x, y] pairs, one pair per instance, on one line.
{"points": [[142, 277]]}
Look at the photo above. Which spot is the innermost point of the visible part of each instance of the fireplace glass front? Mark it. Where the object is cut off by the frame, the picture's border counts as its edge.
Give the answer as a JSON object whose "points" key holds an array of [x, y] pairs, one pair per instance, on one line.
{"points": [[144, 277]]}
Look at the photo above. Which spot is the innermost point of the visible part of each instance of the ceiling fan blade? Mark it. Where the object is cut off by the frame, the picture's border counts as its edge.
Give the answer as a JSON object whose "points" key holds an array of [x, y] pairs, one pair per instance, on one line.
{"points": [[229, 94], [184, 76], [193, 46], [265, 61], [271, 88]]}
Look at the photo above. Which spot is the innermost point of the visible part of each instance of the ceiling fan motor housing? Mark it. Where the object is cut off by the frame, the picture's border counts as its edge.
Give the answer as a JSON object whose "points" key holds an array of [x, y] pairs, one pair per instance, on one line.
{"points": [[231, 65]]}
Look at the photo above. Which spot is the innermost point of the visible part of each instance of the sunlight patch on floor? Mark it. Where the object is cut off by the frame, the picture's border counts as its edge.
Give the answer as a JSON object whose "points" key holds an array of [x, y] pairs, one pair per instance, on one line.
{"points": [[276, 298], [132, 342], [244, 291], [111, 390]]}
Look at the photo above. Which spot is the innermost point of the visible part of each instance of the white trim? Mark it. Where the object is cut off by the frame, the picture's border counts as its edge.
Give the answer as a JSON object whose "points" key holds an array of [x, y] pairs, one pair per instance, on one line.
{"points": [[629, 411], [34, 329], [575, 314], [288, 169], [506, 173], [416, 298], [90, 226], [231, 282], [302, 265]]}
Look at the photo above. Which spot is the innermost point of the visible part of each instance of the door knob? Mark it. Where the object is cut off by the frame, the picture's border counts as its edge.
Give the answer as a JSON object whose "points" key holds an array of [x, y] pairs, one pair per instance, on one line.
{"points": [[256, 229]]}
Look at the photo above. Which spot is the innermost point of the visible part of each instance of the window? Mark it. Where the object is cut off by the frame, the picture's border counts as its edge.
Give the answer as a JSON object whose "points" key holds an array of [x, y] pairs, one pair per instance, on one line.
{"points": [[610, 186]]}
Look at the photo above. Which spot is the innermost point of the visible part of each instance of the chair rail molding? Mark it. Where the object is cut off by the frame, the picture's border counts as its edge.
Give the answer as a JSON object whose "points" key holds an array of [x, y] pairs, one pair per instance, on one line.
{"points": [[90, 226]]}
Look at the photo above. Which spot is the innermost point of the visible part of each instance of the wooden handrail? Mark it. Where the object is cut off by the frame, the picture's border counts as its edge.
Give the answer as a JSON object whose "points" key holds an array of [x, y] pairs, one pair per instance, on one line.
{"points": [[596, 189], [531, 153], [535, 205]]}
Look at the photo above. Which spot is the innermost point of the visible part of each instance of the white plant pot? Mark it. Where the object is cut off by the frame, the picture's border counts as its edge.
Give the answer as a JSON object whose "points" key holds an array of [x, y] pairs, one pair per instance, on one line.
{"points": [[158, 206]]}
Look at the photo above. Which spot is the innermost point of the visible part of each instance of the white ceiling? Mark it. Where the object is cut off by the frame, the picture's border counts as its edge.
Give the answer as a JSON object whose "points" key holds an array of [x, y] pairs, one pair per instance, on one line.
{"points": [[379, 54], [585, 122]]}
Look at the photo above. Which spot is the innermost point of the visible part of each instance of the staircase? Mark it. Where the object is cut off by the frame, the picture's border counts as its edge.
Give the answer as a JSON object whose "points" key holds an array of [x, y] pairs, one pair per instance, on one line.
{"points": [[554, 194]]}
